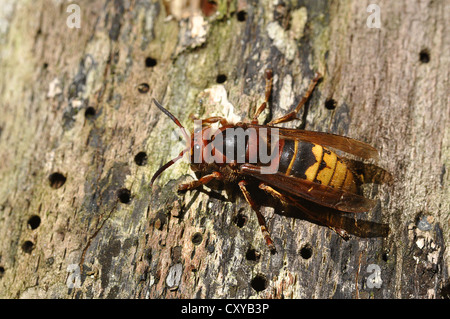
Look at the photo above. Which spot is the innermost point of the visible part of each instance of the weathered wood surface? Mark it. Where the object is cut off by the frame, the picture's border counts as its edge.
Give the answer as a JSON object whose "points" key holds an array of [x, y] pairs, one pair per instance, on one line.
{"points": [[72, 101]]}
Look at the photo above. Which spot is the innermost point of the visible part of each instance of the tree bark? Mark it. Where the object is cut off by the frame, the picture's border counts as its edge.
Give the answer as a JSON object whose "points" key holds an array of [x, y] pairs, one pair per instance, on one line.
{"points": [[80, 141]]}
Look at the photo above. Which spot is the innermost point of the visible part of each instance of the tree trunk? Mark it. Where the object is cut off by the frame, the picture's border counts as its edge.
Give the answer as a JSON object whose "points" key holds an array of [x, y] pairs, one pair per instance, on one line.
{"points": [[80, 140]]}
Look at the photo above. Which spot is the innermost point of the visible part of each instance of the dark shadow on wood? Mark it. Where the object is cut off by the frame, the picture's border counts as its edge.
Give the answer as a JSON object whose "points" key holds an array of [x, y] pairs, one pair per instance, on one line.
{"points": [[304, 210]]}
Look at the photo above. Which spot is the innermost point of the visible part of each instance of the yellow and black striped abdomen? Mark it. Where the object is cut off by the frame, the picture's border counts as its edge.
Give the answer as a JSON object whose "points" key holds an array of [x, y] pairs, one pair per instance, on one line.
{"points": [[317, 164]]}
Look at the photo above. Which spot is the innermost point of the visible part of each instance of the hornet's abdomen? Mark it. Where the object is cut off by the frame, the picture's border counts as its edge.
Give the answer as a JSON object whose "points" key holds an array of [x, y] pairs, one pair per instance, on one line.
{"points": [[317, 164]]}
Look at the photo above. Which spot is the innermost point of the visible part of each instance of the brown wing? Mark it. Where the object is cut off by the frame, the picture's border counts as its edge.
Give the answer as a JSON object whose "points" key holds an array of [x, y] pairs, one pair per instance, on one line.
{"points": [[337, 221], [317, 193], [339, 142]]}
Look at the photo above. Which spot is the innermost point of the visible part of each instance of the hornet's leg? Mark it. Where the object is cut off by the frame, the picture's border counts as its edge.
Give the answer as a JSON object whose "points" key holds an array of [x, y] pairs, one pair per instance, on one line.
{"points": [[202, 181], [293, 115], [266, 98], [276, 194], [261, 220], [214, 119]]}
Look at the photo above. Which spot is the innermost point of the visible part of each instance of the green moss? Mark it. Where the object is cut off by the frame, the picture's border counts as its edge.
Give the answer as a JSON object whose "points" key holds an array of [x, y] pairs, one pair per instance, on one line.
{"points": [[225, 8]]}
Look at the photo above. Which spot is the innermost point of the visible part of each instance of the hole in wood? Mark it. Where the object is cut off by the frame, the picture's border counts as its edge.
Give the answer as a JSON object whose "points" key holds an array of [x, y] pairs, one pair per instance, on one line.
{"points": [[27, 247], [252, 255], [197, 238], [56, 180], [2, 272], [141, 159], [150, 62], [241, 16], [124, 195], [34, 222], [330, 104], [240, 220], [306, 251], [90, 112], [259, 282], [424, 56], [143, 88], [221, 78]]}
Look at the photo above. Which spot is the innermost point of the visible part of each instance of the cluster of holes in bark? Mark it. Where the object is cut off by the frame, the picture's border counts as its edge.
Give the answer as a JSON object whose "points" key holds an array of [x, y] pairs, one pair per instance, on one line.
{"points": [[149, 62], [32, 223], [424, 57], [123, 194], [260, 282]]}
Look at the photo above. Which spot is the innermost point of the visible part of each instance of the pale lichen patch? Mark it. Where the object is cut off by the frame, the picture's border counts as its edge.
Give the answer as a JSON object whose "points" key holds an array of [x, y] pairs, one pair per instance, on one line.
{"points": [[298, 22], [216, 97], [286, 40], [286, 94], [282, 40]]}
